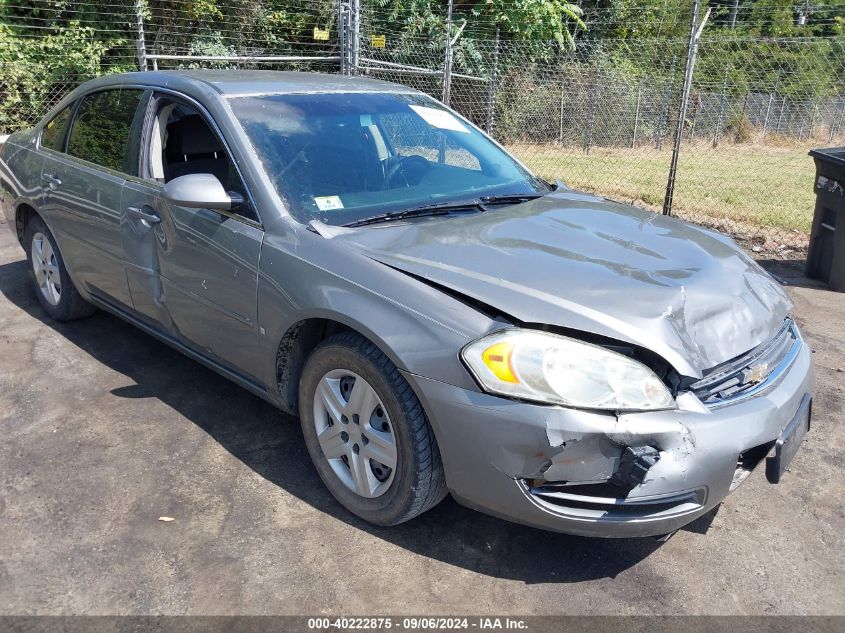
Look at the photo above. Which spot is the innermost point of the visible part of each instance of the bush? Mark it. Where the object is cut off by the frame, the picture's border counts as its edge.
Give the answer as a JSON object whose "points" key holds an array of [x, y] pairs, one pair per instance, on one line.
{"points": [[39, 71], [741, 129]]}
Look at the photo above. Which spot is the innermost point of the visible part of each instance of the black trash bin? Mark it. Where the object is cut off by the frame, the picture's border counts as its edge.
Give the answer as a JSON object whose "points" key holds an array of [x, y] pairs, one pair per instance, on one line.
{"points": [[826, 257]]}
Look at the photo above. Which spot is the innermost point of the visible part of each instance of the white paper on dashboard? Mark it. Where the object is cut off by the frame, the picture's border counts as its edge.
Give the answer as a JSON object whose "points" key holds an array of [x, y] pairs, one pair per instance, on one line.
{"points": [[440, 119]]}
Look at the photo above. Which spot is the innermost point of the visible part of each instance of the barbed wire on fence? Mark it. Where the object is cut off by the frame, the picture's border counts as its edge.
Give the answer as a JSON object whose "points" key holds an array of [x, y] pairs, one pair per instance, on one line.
{"points": [[600, 116]]}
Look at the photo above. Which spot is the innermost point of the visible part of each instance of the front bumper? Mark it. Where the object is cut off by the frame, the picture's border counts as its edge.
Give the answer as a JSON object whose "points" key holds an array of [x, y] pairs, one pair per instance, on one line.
{"points": [[510, 459]]}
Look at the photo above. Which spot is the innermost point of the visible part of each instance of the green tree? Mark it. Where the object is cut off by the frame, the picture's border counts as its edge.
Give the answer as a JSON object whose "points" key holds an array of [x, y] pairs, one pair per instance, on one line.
{"points": [[527, 20]]}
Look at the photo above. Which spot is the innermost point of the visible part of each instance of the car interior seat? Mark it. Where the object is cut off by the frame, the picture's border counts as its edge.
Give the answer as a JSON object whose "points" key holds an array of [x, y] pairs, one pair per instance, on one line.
{"points": [[192, 148]]}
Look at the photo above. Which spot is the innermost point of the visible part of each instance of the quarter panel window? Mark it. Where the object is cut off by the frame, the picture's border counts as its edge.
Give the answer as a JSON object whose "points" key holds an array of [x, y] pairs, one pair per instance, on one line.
{"points": [[100, 132], [53, 135]]}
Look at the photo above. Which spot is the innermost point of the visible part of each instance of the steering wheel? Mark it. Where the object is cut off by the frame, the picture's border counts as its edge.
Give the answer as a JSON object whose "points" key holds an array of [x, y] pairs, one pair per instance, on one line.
{"points": [[403, 163]]}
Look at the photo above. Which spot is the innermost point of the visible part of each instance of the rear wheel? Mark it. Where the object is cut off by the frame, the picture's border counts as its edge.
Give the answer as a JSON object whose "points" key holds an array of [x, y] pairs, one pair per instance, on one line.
{"points": [[367, 433], [53, 287]]}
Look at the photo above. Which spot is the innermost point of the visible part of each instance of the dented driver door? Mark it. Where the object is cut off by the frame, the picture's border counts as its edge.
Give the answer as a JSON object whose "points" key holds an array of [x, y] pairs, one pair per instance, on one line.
{"points": [[194, 273]]}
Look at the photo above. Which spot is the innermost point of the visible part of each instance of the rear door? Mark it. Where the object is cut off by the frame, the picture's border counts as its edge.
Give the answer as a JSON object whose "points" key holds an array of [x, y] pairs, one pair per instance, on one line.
{"points": [[82, 186], [192, 272]]}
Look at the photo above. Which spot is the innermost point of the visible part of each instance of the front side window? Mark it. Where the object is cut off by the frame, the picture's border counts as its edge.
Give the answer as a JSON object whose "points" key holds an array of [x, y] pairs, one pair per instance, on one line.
{"points": [[53, 135], [183, 143], [343, 158], [100, 131]]}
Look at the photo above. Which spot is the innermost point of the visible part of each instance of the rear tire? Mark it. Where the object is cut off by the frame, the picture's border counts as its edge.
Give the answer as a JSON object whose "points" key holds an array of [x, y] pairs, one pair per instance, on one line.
{"points": [[51, 282], [390, 425]]}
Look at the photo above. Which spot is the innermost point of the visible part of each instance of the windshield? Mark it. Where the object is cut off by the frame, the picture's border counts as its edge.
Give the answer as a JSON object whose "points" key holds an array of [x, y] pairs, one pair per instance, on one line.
{"points": [[343, 158]]}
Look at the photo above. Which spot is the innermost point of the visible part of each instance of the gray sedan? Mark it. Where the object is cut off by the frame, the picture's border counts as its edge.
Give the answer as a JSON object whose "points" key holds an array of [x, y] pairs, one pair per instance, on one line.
{"points": [[441, 319]]}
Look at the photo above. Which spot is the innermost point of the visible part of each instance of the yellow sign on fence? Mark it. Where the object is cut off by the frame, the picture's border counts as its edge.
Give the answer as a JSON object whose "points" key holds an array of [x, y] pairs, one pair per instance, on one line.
{"points": [[378, 41], [321, 34]]}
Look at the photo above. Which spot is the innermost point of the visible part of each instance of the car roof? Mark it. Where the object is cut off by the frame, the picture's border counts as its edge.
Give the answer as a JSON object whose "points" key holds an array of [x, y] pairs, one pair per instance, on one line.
{"points": [[250, 82]]}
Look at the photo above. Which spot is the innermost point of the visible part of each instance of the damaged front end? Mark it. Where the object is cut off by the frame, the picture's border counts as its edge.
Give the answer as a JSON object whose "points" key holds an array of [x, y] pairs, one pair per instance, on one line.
{"points": [[612, 473], [617, 471], [708, 368]]}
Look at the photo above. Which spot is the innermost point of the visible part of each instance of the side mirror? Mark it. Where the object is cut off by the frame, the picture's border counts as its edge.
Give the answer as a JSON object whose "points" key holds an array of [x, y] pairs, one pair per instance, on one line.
{"points": [[200, 191]]}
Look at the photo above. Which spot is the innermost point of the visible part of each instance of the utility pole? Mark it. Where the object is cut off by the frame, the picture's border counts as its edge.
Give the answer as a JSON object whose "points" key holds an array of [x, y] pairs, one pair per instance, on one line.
{"points": [[692, 51]]}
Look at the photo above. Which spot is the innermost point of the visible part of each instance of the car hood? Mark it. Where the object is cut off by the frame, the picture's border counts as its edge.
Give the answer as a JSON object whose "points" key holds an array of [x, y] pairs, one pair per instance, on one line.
{"points": [[577, 261]]}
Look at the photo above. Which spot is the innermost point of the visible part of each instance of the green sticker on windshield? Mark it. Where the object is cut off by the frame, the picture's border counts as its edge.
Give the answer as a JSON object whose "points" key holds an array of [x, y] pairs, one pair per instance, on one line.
{"points": [[328, 203]]}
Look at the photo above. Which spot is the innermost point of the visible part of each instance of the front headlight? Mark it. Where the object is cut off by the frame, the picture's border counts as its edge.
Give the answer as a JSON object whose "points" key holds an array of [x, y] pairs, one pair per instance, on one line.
{"points": [[556, 369]]}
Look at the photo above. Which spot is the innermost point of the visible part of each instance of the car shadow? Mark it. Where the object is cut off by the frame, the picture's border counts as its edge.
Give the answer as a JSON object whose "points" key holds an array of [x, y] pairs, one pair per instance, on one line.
{"points": [[270, 443]]}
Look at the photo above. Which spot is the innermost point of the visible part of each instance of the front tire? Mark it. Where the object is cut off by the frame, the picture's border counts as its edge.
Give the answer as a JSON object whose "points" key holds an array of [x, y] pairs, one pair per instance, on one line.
{"points": [[367, 433], [51, 281]]}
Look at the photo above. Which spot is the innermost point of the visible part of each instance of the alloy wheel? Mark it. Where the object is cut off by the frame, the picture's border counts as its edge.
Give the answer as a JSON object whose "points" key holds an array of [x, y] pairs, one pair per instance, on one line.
{"points": [[46, 268]]}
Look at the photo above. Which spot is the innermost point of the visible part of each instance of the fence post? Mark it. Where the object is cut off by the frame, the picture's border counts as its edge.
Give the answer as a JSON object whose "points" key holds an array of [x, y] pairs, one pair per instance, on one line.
{"points": [[722, 103], [692, 50], [769, 106], [836, 123], [663, 113], [591, 112], [734, 11], [491, 89], [813, 114], [560, 114], [447, 60], [348, 35], [807, 125], [637, 114], [780, 116], [744, 112], [140, 43], [695, 109], [342, 35], [356, 36]]}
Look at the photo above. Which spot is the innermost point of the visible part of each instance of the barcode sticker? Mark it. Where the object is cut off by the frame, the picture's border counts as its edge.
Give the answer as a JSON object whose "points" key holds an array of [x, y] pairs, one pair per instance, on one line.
{"points": [[328, 203]]}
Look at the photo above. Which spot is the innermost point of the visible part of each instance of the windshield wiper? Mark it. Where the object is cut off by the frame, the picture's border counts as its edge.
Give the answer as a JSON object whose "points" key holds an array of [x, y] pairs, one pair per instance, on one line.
{"points": [[444, 208], [510, 198]]}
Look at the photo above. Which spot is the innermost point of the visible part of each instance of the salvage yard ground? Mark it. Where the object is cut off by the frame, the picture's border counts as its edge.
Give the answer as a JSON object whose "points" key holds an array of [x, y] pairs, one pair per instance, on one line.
{"points": [[105, 430], [755, 184]]}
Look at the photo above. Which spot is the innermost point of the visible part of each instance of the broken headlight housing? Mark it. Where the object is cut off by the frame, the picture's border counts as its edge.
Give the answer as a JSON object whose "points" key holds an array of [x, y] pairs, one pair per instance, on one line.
{"points": [[554, 369]]}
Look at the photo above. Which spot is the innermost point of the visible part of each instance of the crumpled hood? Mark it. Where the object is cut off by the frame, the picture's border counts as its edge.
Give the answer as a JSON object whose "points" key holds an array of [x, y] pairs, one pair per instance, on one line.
{"points": [[582, 262]]}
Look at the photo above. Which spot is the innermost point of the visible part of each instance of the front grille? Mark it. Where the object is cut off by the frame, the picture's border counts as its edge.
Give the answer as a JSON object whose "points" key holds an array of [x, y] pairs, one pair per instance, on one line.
{"points": [[750, 373]]}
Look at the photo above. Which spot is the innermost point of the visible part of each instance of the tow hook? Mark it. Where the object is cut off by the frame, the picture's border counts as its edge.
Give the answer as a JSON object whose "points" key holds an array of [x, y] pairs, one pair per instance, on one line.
{"points": [[635, 463]]}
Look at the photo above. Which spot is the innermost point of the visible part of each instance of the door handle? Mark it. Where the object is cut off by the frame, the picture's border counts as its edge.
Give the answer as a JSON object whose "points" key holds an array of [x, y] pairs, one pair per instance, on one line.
{"points": [[149, 217], [53, 181]]}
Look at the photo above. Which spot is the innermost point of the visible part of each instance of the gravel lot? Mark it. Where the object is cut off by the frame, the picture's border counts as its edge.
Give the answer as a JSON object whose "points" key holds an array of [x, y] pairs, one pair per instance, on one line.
{"points": [[105, 430]]}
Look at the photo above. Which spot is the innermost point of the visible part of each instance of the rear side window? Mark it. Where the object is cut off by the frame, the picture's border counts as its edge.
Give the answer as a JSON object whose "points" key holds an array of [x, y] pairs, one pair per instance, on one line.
{"points": [[53, 135], [100, 132]]}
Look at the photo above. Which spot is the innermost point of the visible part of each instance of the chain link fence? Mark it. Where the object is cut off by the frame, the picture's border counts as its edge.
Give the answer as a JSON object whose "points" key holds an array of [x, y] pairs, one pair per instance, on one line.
{"points": [[601, 116]]}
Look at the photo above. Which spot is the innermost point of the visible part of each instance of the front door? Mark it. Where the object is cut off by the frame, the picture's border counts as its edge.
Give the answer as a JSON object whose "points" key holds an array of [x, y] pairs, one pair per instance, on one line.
{"points": [[192, 272]]}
